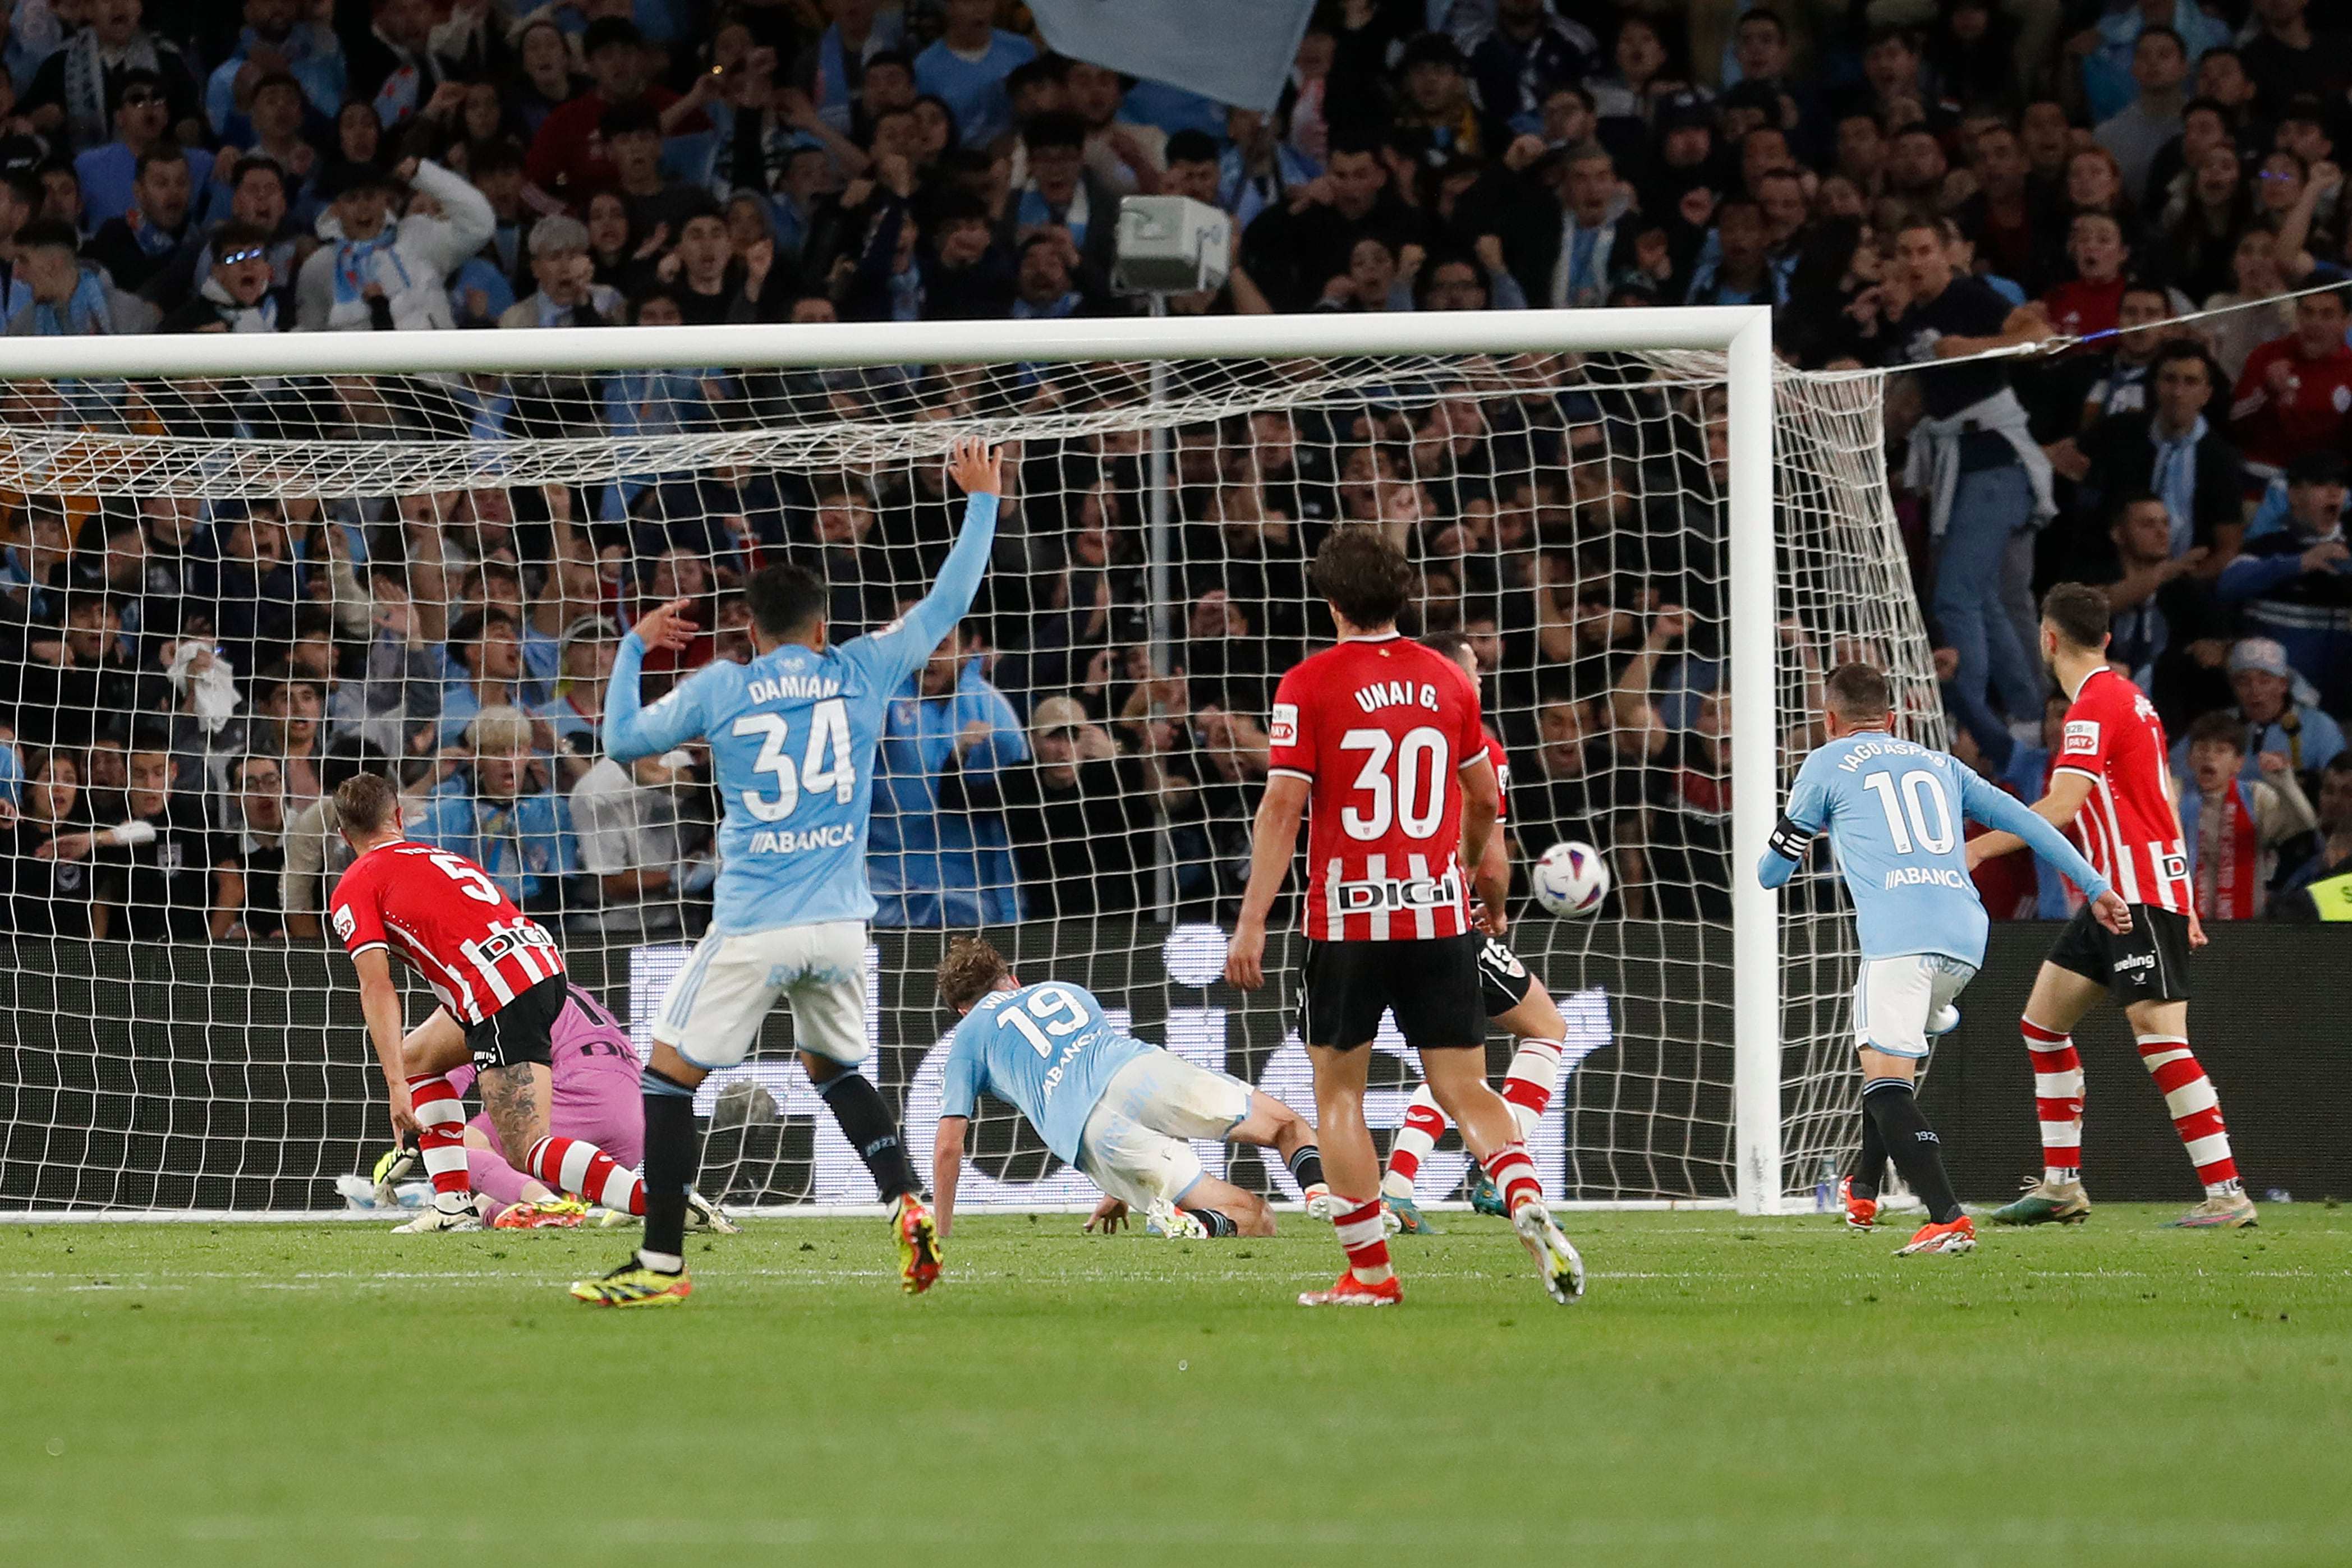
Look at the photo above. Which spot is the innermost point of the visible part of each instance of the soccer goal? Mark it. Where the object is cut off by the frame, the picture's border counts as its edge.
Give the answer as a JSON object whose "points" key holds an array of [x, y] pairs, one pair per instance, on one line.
{"points": [[241, 567]]}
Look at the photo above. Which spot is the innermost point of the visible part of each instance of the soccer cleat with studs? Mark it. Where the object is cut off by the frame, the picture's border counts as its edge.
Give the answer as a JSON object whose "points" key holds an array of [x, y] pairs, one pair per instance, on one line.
{"points": [[1557, 1264], [1321, 1204], [702, 1214], [1959, 1236], [1485, 1198], [1860, 1213], [634, 1285], [399, 1162], [2046, 1203], [456, 1217], [917, 1238], [2231, 1211], [546, 1214], [1402, 1217], [1164, 1219], [1350, 1291]]}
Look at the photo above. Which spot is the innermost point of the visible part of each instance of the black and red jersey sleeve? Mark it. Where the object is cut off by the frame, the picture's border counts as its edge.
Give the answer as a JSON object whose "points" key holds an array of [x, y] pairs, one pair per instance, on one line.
{"points": [[2089, 734]]}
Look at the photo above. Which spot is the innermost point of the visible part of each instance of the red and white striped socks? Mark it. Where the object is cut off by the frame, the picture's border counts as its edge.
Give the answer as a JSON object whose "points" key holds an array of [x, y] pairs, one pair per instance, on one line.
{"points": [[1513, 1175], [1528, 1089], [1366, 1240], [2195, 1109], [1424, 1124], [579, 1168], [441, 1141], [2057, 1100], [1529, 1086]]}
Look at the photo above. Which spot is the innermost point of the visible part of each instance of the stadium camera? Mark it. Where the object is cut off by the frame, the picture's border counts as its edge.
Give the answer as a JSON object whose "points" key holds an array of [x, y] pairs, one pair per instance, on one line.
{"points": [[1170, 245]]}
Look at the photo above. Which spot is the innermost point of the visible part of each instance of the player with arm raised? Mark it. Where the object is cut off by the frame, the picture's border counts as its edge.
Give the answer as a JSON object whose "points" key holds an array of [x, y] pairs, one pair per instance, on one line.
{"points": [[793, 735], [2112, 784], [502, 985], [1515, 999], [1382, 737], [1121, 1109], [1893, 810]]}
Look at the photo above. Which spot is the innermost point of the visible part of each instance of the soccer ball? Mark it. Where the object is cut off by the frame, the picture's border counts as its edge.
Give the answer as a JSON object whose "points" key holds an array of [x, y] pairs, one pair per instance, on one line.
{"points": [[1570, 880]]}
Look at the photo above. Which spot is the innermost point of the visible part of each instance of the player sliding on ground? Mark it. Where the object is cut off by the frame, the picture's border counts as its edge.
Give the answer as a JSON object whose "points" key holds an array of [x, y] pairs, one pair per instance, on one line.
{"points": [[2111, 783], [1121, 1109], [1514, 998], [1382, 736], [1892, 809], [501, 986], [793, 735]]}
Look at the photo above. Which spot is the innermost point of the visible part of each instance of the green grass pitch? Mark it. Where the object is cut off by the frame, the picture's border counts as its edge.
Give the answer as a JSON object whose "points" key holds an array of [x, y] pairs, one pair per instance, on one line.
{"points": [[1730, 1392]]}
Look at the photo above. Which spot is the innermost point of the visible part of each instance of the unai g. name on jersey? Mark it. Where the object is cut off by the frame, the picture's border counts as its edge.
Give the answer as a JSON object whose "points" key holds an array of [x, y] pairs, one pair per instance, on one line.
{"points": [[1380, 727]]}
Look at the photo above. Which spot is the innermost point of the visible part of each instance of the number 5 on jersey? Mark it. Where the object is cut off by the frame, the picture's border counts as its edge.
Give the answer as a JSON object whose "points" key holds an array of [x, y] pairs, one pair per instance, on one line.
{"points": [[824, 765]]}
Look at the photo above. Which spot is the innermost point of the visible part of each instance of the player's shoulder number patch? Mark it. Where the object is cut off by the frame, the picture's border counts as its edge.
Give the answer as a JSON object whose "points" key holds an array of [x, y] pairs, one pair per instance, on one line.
{"points": [[344, 924], [1284, 729], [2082, 739]]}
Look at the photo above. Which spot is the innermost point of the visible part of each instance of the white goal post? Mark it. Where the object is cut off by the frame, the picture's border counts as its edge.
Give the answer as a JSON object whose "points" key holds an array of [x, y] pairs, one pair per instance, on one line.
{"points": [[1764, 1089]]}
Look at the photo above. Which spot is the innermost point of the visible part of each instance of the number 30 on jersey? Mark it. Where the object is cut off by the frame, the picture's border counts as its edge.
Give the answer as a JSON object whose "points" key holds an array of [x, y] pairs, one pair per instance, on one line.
{"points": [[824, 764]]}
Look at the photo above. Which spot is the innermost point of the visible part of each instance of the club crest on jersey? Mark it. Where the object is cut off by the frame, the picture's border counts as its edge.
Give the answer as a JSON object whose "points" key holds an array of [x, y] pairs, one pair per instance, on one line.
{"points": [[1284, 731], [2081, 737]]}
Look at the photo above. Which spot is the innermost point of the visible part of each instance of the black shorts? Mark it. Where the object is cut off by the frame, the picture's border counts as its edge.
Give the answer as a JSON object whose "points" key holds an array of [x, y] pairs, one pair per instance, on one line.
{"points": [[2150, 963], [1432, 987], [1503, 981], [522, 1030]]}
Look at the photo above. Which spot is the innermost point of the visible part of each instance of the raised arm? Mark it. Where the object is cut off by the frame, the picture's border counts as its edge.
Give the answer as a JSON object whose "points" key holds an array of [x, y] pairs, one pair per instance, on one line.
{"points": [[979, 468], [630, 730]]}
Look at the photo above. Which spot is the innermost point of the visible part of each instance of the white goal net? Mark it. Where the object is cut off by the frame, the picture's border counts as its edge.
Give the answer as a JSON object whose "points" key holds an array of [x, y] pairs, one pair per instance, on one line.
{"points": [[224, 594]]}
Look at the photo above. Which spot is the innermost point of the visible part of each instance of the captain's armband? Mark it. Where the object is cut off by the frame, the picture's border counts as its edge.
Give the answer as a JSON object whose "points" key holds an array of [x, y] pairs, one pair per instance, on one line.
{"points": [[1788, 841]]}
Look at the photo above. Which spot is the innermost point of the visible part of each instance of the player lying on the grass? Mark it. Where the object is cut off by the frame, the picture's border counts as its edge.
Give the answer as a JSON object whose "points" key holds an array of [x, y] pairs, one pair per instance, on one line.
{"points": [[2111, 783], [1892, 809], [1382, 737], [595, 1104], [502, 985], [792, 737], [1117, 1108], [1515, 999]]}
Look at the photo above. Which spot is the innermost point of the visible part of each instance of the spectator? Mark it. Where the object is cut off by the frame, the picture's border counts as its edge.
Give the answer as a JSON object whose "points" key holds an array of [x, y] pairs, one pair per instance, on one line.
{"points": [[2296, 584], [379, 274], [256, 832], [966, 66], [164, 873], [2167, 630], [274, 41], [2326, 893], [62, 298], [1294, 251], [393, 68], [2278, 713], [316, 853], [485, 653], [47, 889], [1077, 814], [1986, 481], [1577, 265], [1519, 57], [2138, 131], [237, 293], [931, 866], [567, 157], [2295, 393], [289, 711], [2234, 826], [73, 96], [110, 172], [569, 723], [2174, 451], [500, 814], [643, 842]]}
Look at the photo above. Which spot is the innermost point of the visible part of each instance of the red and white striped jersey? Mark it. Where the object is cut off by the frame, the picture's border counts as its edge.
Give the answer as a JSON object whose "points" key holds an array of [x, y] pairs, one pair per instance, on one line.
{"points": [[443, 914], [1380, 728], [2130, 831]]}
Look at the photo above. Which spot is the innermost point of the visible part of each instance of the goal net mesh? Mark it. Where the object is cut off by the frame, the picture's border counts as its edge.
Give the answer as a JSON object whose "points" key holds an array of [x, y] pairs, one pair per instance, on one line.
{"points": [[221, 596]]}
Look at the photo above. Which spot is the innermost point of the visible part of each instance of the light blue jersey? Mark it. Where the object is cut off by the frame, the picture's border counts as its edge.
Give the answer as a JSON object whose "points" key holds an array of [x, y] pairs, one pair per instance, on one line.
{"points": [[793, 735], [1893, 810], [1048, 1049]]}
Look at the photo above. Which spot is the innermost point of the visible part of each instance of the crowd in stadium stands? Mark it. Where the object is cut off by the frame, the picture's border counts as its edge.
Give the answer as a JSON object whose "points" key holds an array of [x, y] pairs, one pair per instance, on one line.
{"points": [[1902, 181]]}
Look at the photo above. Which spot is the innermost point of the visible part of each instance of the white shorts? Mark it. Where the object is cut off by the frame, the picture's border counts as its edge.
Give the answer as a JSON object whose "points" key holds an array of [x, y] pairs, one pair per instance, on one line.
{"points": [[1894, 998], [1137, 1143], [714, 1009]]}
